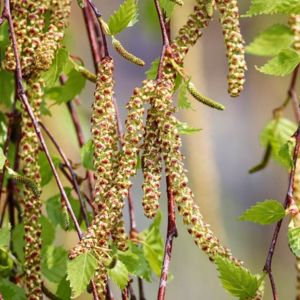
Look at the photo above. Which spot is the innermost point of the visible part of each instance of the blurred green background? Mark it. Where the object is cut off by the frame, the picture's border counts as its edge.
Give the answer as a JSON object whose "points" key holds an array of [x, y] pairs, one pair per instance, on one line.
{"points": [[218, 157]]}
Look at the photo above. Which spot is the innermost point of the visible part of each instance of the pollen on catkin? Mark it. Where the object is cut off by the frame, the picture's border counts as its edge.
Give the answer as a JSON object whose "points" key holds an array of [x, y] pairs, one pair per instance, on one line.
{"points": [[152, 167], [29, 154], [235, 50], [294, 23]]}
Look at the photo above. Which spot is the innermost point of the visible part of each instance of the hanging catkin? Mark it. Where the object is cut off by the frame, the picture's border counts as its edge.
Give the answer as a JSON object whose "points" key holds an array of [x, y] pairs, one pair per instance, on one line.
{"points": [[294, 23], [229, 18]]}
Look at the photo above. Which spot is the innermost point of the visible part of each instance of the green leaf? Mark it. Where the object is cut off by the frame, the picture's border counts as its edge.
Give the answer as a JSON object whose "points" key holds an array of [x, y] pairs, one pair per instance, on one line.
{"points": [[183, 101], [259, 7], [54, 263], [2, 159], [10, 291], [4, 40], [80, 271], [48, 231], [5, 236], [286, 153], [125, 16], [266, 212], [7, 90], [55, 212], [153, 245], [87, 155], [64, 290], [6, 262], [52, 75], [288, 7], [282, 64], [167, 7], [46, 171], [151, 73], [294, 240], [238, 281], [184, 128], [72, 88], [135, 262], [277, 133], [119, 274], [271, 41], [18, 241], [3, 130]]}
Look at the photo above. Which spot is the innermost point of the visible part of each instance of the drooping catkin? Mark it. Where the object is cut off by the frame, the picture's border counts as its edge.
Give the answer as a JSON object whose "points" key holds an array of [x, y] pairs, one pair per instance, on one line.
{"points": [[29, 154], [294, 23], [152, 167], [235, 51]]}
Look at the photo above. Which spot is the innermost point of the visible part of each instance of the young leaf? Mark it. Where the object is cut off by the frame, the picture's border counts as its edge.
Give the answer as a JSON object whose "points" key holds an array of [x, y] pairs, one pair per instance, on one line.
{"points": [[184, 128], [125, 16], [52, 75], [6, 262], [5, 236], [63, 289], [135, 262], [238, 281], [48, 231], [276, 134], [271, 41], [153, 245], [2, 159], [151, 73], [266, 212], [46, 172], [80, 271], [282, 64], [18, 241], [54, 263], [119, 274], [286, 152], [10, 291], [87, 155], [7, 90], [72, 88], [167, 6], [183, 101], [288, 7], [294, 240]]}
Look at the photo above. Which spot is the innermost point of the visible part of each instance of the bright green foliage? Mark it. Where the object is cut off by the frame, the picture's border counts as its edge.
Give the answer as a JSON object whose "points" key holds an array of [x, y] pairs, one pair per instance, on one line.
{"points": [[2, 159], [286, 153], [10, 291], [259, 7], [57, 67], [183, 101], [63, 289], [7, 90], [6, 262], [277, 133], [271, 41], [4, 236], [135, 261], [48, 231], [153, 245], [282, 64], [119, 274], [54, 263], [167, 7], [184, 128], [151, 73], [80, 271], [266, 212], [125, 16], [87, 155], [294, 240], [46, 172], [55, 212], [238, 281]]}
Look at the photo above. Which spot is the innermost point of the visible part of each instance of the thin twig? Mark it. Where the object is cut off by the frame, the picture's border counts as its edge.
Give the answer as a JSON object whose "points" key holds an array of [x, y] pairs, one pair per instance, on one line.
{"points": [[48, 293], [141, 289], [288, 201], [293, 95], [73, 174]]}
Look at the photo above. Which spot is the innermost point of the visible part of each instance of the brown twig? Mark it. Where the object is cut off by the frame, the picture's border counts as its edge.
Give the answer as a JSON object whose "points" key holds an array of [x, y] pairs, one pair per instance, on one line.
{"points": [[287, 202], [293, 95], [141, 289], [73, 174]]}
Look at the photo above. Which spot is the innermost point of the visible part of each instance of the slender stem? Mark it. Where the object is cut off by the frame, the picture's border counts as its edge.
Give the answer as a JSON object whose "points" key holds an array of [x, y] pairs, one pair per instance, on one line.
{"points": [[141, 289], [287, 202], [23, 98], [48, 293], [73, 174], [292, 93]]}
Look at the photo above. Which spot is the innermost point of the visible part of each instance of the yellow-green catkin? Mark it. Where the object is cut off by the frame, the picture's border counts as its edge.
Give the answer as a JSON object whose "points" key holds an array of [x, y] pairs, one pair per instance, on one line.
{"points": [[294, 23], [235, 50], [29, 155], [152, 167]]}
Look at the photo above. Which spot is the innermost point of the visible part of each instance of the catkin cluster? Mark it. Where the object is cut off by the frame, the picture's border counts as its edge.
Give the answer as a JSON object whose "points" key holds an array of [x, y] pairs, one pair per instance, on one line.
{"points": [[294, 23], [229, 18], [29, 155]]}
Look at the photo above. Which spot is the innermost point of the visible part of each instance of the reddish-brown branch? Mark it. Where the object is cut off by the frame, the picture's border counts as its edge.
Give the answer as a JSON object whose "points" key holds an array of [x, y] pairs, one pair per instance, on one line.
{"points": [[73, 174], [293, 95], [287, 202]]}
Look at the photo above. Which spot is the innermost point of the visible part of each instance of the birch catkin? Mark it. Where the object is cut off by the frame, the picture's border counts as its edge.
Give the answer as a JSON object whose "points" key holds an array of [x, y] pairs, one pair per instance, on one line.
{"points": [[294, 23], [229, 18]]}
